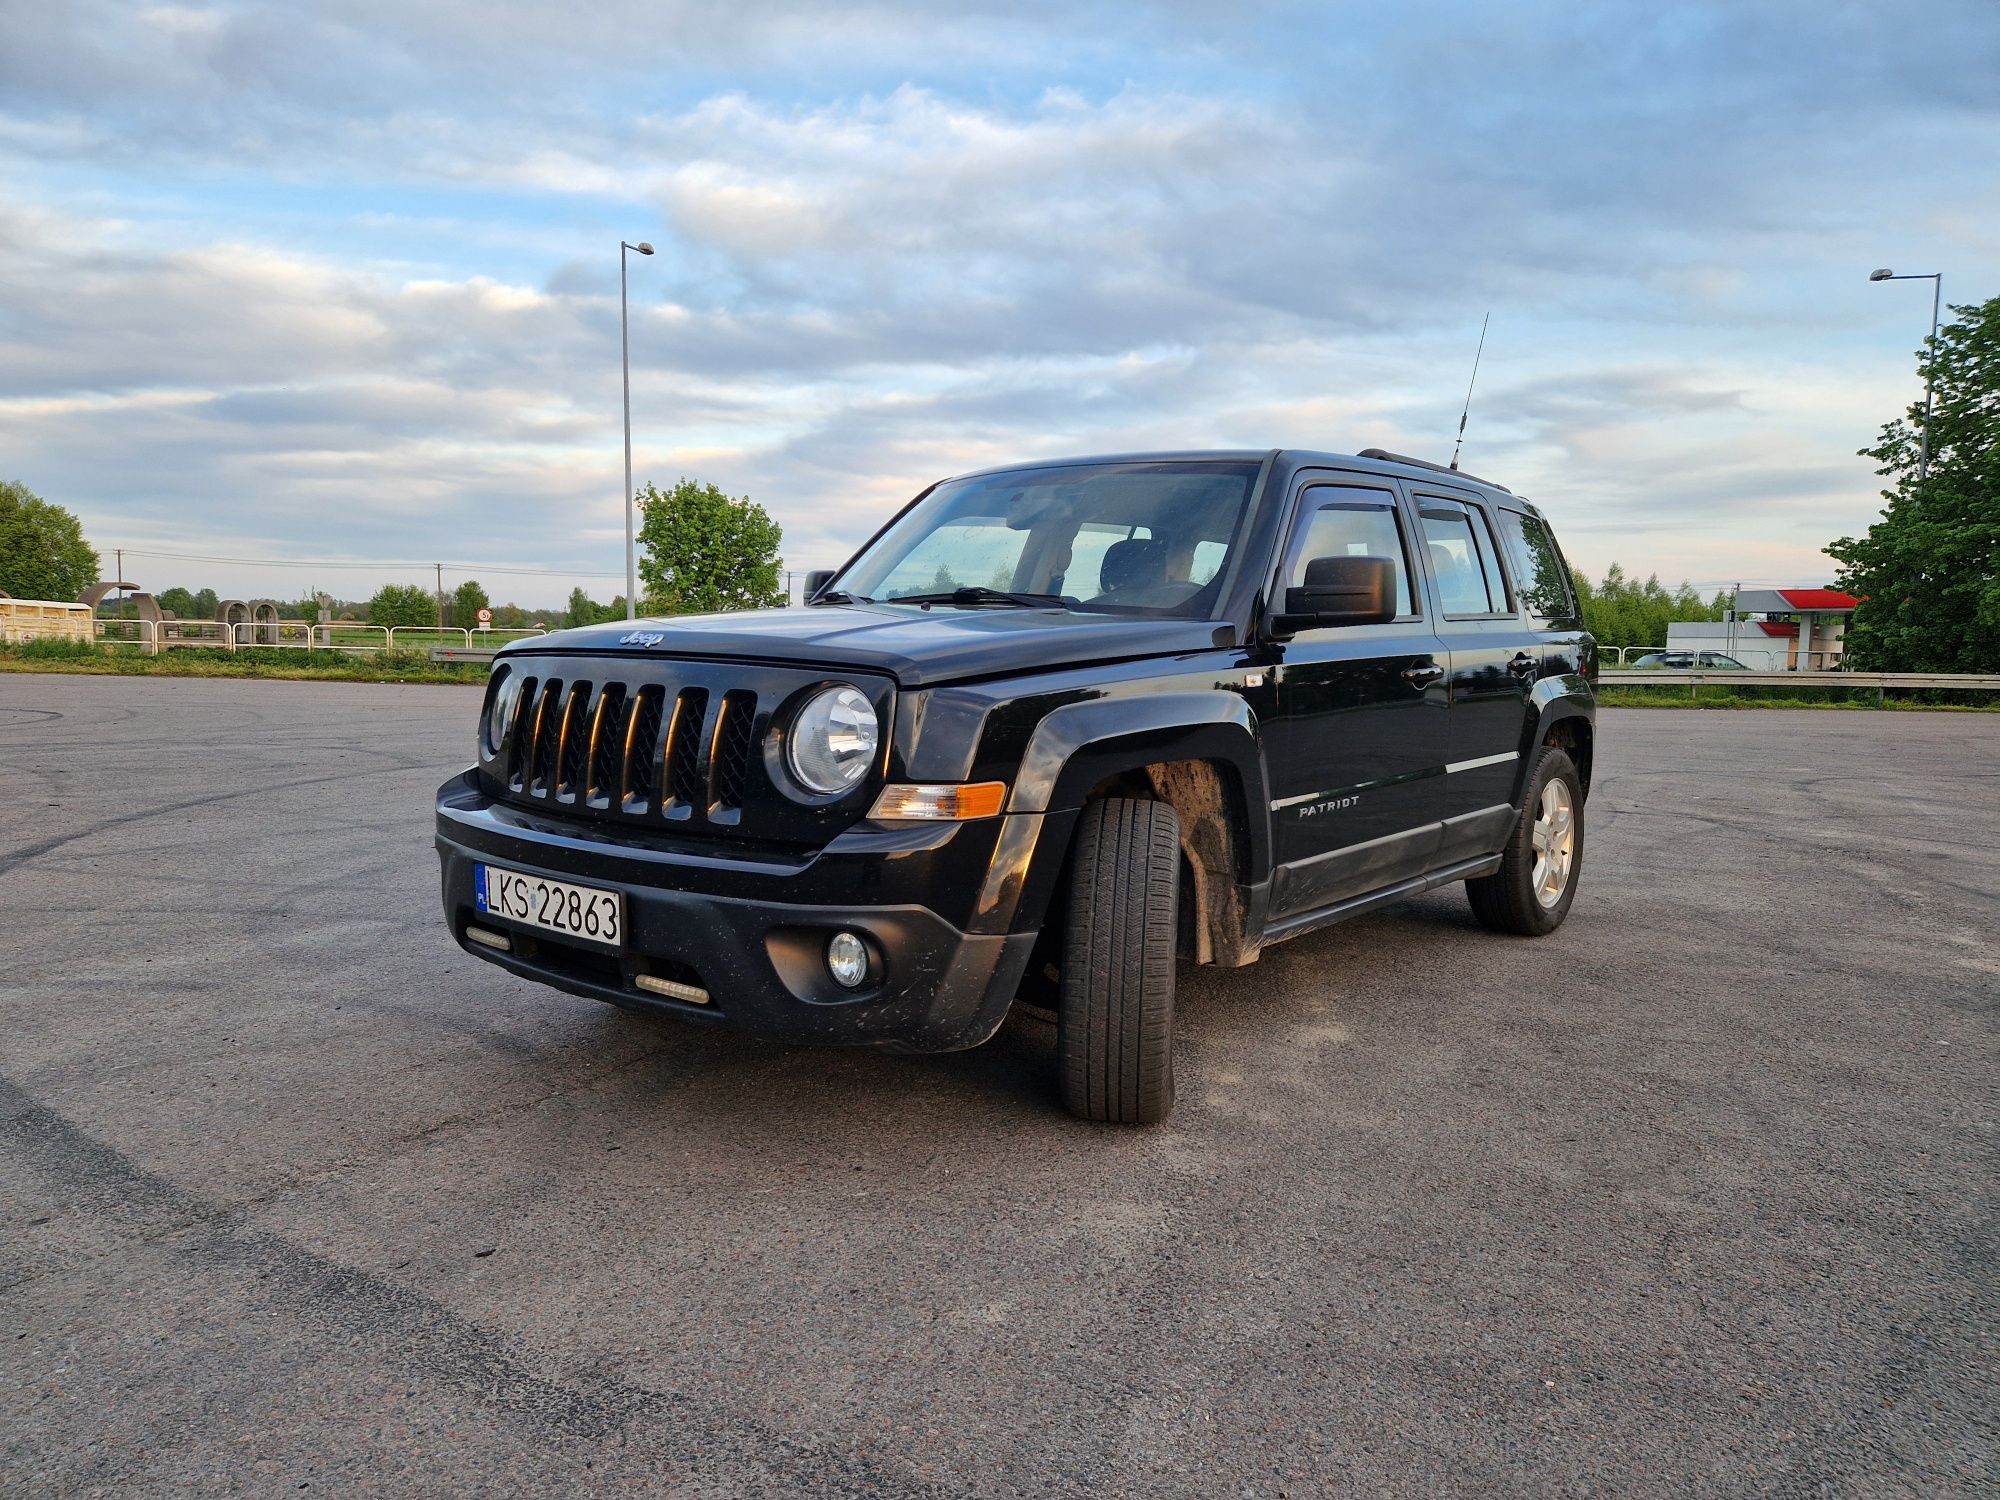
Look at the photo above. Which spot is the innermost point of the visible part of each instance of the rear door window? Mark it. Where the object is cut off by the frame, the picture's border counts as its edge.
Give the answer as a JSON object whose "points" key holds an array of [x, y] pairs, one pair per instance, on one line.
{"points": [[1461, 558]]}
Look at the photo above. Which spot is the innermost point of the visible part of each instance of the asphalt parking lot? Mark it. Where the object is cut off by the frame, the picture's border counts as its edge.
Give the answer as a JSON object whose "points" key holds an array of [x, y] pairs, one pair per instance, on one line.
{"points": [[1694, 1196]]}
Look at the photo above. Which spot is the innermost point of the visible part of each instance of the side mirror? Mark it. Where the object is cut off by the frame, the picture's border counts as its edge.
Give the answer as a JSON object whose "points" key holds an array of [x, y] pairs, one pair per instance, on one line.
{"points": [[816, 580], [1341, 591]]}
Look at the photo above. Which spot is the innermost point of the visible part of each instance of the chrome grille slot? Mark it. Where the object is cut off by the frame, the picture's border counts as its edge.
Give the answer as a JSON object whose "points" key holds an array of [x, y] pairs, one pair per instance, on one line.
{"points": [[729, 756], [642, 740], [607, 743], [542, 738], [683, 759], [517, 742], [572, 738]]}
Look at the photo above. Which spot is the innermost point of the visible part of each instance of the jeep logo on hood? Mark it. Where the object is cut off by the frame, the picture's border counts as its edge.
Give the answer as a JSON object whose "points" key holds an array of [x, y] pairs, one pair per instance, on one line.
{"points": [[642, 638]]}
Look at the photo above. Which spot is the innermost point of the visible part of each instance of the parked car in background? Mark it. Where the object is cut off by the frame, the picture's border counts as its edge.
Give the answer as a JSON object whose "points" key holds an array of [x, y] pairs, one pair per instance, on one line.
{"points": [[1683, 661]]}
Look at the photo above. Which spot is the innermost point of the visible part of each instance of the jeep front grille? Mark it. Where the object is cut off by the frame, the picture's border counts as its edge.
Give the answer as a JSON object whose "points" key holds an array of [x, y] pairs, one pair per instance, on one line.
{"points": [[638, 752]]}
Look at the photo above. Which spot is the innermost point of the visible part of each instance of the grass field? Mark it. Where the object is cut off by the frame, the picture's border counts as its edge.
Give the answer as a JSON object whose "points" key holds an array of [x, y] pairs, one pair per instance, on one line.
{"points": [[1675, 695]]}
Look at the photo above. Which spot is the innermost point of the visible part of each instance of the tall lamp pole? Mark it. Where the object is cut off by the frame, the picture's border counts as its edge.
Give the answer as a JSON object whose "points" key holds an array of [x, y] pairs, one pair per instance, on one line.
{"points": [[625, 361], [1936, 279]]}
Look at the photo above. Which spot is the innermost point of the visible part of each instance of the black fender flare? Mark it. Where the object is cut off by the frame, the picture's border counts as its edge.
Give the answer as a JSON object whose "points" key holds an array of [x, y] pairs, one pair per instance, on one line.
{"points": [[1080, 744], [1555, 699]]}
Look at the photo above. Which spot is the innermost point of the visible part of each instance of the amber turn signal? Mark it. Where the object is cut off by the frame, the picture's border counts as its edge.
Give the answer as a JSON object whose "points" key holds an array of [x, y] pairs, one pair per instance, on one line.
{"points": [[982, 799]]}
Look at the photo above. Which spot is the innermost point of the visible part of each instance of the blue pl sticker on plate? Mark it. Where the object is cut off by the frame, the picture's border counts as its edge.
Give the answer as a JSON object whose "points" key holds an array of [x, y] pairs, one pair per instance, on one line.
{"points": [[479, 887]]}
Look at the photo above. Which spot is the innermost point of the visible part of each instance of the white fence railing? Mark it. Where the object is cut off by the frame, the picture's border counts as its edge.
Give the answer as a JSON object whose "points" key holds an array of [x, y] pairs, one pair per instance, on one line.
{"points": [[153, 636]]}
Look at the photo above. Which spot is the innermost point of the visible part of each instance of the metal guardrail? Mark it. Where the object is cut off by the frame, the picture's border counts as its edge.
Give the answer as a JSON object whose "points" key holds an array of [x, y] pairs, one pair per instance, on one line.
{"points": [[1699, 677], [462, 653]]}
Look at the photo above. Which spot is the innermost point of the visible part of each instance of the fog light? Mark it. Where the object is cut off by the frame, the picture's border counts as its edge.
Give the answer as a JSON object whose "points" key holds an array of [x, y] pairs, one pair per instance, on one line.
{"points": [[846, 959], [673, 989]]}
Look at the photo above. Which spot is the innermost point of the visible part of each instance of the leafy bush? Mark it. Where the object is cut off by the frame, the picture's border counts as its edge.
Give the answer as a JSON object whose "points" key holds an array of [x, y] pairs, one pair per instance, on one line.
{"points": [[402, 604]]}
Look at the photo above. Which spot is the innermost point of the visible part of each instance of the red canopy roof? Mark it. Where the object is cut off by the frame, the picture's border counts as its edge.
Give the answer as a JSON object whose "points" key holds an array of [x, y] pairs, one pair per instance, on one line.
{"points": [[1818, 599]]}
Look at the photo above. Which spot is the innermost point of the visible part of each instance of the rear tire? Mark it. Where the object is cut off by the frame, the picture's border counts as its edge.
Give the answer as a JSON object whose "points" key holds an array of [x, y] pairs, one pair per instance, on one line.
{"points": [[1115, 1012], [1531, 892]]}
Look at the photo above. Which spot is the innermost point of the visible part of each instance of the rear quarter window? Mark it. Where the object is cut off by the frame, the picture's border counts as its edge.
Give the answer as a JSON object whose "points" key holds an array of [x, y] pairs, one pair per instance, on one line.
{"points": [[1540, 579]]}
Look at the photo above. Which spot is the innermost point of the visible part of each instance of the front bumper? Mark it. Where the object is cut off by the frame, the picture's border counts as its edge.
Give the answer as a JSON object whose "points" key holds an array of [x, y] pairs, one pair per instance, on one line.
{"points": [[934, 987]]}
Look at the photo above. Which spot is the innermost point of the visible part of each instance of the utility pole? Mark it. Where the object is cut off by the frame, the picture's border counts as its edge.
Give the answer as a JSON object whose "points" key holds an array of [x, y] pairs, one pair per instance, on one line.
{"points": [[625, 366], [440, 595], [121, 565]]}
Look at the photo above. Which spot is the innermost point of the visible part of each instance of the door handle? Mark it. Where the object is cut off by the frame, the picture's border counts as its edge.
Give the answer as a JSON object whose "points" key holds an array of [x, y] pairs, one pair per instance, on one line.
{"points": [[1423, 676], [1522, 663]]}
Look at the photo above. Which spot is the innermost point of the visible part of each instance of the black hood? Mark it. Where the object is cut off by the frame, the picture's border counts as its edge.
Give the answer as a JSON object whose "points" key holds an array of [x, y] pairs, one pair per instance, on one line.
{"points": [[918, 647]]}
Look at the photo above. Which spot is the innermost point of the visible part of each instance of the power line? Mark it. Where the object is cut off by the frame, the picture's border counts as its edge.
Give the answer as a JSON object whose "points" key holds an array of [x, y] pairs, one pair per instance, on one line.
{"points": [[353, 566]]}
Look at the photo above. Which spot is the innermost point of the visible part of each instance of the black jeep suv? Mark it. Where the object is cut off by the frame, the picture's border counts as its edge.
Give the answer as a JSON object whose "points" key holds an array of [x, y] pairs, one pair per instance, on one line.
{"points": [[1055, 728]]}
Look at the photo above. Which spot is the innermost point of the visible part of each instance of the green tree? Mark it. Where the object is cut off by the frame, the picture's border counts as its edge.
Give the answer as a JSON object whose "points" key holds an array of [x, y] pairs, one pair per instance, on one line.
{"points": [[705, 550], [200, 604], [402, 604], [42, 551], [584, 610], [177, 602], [1620, 611], [467, 600], [1928, 572]]}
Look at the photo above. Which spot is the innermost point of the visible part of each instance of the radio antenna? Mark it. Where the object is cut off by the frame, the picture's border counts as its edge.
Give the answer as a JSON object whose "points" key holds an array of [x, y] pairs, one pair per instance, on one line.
{"points": [[1468, 391]]}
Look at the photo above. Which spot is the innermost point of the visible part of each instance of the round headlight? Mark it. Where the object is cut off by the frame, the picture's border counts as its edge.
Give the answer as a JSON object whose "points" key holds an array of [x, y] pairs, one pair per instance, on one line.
{"points": [[833, 741], [500, 709]]}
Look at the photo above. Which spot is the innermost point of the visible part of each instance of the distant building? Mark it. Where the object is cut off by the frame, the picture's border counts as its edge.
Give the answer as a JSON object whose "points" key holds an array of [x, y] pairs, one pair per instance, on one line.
{"points": [[1774, 630], [43, 620]]}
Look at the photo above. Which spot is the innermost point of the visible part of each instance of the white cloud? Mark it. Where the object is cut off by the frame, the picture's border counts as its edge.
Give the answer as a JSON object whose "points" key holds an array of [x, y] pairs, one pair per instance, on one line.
{"points": [[338, 279]]}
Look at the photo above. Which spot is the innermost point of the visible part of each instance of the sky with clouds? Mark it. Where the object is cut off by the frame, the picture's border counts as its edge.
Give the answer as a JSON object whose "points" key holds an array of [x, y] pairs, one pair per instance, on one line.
{"points": [[339, 282]]}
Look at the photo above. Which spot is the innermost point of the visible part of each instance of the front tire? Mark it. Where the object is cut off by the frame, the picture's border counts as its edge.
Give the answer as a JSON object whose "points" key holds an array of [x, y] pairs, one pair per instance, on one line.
{"points": [[1531, 892], [1115, 1010]]}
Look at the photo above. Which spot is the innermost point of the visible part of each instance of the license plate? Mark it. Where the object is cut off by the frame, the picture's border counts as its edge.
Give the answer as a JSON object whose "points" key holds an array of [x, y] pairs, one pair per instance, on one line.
{"points": [[576, 911]]}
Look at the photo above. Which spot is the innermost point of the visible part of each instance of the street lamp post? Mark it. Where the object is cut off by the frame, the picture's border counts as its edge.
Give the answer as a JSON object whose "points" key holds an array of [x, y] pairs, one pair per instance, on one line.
{"points": [[1936, 279], [625, 362]]}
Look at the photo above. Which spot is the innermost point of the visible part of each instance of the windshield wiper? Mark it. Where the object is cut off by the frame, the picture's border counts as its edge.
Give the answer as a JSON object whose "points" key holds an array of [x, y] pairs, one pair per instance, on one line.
{"points": [[975, 595], [838, 596]]}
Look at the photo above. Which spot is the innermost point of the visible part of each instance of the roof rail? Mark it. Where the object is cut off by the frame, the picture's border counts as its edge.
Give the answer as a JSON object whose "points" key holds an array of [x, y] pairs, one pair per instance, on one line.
{"points": [[1423, 463]]}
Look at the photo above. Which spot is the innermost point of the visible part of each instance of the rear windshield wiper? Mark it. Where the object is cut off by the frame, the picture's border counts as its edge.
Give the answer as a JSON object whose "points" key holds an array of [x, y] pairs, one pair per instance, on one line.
{"points": [[974, 596]]}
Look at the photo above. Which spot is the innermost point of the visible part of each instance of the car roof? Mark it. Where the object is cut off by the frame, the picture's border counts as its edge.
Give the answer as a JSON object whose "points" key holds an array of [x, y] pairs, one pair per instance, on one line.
{"points": [[1369, 460]]}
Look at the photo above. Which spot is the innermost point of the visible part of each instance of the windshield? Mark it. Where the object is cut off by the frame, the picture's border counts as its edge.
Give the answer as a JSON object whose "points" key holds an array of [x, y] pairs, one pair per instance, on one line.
{"points": [[1148, 538]]}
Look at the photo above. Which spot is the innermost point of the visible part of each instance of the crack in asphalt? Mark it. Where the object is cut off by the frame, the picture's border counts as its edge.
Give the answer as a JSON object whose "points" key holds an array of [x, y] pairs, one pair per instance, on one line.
{"points": [[406, 1327], [13, 859]]}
